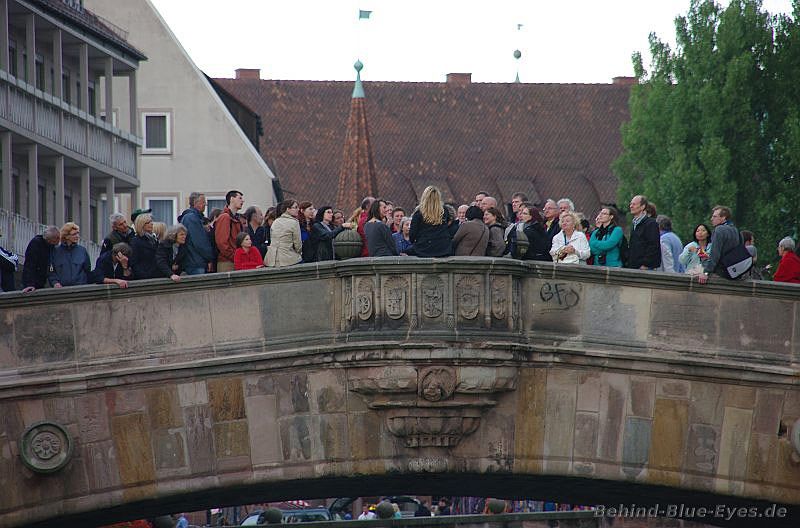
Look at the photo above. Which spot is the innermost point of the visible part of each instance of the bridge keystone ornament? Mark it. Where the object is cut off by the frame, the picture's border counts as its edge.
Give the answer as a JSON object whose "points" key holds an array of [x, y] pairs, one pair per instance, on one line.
{"points": [[46, 447], [433, 406]]}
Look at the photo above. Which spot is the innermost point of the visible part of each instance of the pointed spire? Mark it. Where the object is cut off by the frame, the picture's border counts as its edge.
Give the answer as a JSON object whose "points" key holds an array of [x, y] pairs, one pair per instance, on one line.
{"points": [[517, 55], [357, 176], [358, 89]]}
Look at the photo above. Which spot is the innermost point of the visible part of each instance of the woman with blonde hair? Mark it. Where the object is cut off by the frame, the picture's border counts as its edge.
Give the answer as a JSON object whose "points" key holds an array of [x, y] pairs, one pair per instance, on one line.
{"points": [[570, 245], [429, 232], [70, 264], [159, 230], [144, 246]]}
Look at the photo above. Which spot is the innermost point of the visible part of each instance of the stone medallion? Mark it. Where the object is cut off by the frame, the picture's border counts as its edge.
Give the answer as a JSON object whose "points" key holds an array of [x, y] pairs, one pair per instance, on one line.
{"points": [[364, 299], [46, 447], [432, 288]]}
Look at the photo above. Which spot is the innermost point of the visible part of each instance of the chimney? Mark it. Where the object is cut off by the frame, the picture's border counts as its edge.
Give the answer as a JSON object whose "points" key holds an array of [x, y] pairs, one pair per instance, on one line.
{"points": [[459, 79], [624, 81], [248, 73]]}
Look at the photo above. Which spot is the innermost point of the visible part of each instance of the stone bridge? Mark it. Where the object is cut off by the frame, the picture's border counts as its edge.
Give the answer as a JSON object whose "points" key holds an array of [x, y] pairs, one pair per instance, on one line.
{"points": [[461, 376]]}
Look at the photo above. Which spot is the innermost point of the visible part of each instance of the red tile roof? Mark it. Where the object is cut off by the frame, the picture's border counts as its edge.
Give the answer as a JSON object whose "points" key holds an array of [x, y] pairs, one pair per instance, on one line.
{"points": [[547, 140]]}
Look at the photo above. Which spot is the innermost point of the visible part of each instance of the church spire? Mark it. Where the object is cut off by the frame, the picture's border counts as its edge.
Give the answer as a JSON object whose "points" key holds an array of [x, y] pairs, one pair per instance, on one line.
{"points": [[357, 176]]}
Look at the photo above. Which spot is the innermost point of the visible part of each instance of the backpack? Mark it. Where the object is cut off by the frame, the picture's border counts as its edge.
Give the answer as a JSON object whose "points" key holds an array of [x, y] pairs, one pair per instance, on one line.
{"points": [[623, 250], [737, 261]]}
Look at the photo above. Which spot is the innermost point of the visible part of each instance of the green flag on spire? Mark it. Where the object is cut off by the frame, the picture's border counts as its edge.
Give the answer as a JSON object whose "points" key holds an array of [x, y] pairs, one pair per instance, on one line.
{"points": [[362, 15]]}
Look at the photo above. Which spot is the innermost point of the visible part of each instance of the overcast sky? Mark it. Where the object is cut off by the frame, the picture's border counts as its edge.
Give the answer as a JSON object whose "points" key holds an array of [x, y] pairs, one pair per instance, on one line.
{"points": [[567, 41]]}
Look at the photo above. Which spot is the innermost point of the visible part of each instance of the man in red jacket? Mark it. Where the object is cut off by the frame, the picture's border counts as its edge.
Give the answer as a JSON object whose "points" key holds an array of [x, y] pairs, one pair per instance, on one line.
{"points": [[789, 266], [227, 226]]}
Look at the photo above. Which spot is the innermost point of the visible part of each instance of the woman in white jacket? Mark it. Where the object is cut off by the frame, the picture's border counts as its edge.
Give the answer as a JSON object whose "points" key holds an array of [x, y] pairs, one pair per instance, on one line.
{"points": [[570, 245], [285, 246]]}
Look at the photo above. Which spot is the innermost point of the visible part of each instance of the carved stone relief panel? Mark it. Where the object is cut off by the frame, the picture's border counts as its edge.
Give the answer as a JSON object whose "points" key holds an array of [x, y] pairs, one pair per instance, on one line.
{"points": [[469, 296], [432, 296], [396, 298], [432, 405], [365, 298]]}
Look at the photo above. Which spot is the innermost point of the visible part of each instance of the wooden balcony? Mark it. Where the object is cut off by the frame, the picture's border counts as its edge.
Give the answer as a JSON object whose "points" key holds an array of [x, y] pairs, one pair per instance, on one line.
{"points": [[52, 122]]}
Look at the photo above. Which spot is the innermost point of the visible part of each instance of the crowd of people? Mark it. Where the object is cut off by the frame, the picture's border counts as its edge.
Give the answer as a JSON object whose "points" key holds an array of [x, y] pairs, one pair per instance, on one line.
{"points": [[294, 232]]}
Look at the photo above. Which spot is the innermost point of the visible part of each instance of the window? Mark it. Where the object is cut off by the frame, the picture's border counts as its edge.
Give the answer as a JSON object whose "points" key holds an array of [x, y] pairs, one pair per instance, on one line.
{"points": [[156, 129], [42, 205], [214, 203], [40, 72], [68, 212], [92, 99], [12, 57], [66, 88], [163, 209]]}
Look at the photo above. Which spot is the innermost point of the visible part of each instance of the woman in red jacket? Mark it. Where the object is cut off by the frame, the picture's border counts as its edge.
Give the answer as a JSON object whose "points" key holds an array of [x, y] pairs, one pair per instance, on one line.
{"points": [[789, 266], [246, 257]]}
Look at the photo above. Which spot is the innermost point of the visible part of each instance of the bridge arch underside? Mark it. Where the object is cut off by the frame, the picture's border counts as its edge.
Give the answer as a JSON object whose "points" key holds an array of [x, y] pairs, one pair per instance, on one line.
{"points": [[562, 489], [475, 376]]}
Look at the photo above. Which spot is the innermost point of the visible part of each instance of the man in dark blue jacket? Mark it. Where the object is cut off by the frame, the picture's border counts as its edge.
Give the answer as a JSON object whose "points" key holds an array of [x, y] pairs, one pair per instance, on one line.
{"points": [[37, 259], [645, 245], [199, 253]]}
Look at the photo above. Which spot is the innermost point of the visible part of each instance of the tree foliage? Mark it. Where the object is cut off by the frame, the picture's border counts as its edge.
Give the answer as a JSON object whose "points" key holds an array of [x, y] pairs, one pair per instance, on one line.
{"points": [[717, 121]]}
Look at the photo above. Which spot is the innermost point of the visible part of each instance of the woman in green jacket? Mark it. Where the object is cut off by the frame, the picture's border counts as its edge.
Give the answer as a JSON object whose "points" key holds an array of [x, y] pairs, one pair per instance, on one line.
{"points": [[606, 240]]}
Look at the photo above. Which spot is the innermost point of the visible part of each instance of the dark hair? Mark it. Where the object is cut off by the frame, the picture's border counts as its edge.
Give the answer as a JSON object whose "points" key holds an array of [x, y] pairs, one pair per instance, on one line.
{"points": [[747, 236], [240, 238], [474, 213], [650, 209], [284, 206], [613, 212], [375, 210], [366, 202], [536, 215], [229, 195], [520, 195], [497, 214], [586, 225], [399, 209], [249, 212], [269, 215], [694, 233], [482, 192], [321, 213], [215, 212]]}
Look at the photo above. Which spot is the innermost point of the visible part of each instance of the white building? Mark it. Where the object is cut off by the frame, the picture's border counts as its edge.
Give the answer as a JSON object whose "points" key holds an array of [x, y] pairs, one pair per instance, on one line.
{"points": [[191, 140]]}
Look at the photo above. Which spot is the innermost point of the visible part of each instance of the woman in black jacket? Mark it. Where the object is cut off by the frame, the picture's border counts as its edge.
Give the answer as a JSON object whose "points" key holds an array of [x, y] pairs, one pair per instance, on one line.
{"points": [[533, 227], [379, 237], [171, 253], [429, 232], [322, 235], [143, 248]]}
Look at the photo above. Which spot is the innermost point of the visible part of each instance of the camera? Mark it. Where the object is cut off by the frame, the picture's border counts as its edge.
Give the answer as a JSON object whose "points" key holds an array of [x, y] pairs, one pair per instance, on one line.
{"points": [[601, 259]]}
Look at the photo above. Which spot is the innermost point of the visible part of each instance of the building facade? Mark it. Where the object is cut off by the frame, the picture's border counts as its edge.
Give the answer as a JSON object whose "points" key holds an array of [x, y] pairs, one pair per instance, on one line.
{"points": [[191, 140], [62, 158]]}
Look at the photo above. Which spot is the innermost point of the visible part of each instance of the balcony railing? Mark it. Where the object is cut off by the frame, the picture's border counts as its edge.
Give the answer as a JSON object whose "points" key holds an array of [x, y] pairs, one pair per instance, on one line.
{"points": [[17, 231], [50, 118]]}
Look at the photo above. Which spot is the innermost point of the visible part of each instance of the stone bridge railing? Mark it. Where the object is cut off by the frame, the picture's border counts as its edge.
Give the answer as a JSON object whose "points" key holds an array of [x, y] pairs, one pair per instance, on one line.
{"points": [[404, 373]]}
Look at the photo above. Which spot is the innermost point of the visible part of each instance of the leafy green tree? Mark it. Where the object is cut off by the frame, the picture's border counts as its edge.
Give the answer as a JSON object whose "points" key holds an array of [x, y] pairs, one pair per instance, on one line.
{"points": [[717, 121]]}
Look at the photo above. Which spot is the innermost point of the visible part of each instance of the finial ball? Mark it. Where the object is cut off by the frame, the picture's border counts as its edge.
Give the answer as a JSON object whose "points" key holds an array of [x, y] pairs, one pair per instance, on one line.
{"points": [[358, 65], [517, 54]]}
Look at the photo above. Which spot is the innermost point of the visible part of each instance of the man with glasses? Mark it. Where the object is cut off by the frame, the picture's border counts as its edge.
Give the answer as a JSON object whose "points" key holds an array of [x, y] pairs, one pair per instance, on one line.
{"points": [[551, 213]]}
